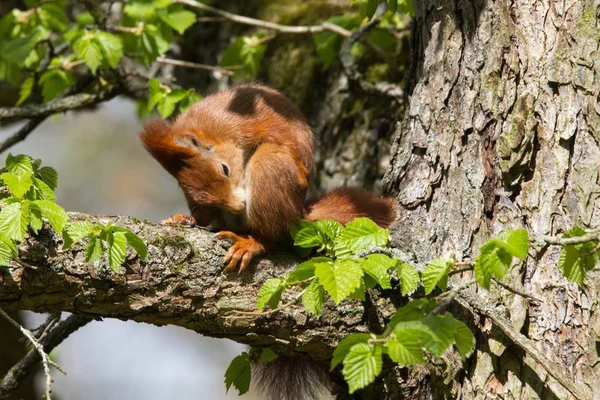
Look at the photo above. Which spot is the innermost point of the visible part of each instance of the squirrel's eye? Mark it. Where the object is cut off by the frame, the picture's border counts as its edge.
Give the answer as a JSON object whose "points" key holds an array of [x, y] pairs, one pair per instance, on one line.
{"points": [[193, 140], [225, 169]]}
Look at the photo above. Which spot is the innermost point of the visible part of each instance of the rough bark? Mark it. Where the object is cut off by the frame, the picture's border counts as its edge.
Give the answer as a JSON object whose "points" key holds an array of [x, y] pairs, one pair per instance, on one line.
{"points": [[182, 283], [502, 131]]}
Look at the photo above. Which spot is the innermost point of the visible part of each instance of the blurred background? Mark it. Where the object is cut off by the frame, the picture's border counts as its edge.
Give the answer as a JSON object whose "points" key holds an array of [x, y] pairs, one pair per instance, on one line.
{"points": [[103, 169]]}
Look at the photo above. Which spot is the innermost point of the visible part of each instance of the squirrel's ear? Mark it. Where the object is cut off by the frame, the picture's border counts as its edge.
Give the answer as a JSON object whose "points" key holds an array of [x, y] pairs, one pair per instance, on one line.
{"points": [[154, 130]]}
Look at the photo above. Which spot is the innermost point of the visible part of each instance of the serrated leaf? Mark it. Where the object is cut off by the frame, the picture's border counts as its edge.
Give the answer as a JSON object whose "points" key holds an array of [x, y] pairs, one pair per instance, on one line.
{"points": [[376, 266], [166, 106], [329, 228], [367, 8], [435, 272], [19, 164], [409, 278], [93, 251], [492, 261], [267, 355], [464, 339], [515, 242], [88, 49], [8, 250], [570, 265], [14, 219], [117, 250], [25, 91], [137, 244], [111, 47], [344, 346], [54, 82], [53, 16], [362, 365], [75, 232], [360, 292], [414, 310], [179, 20], [270, 293], [42, 191], [314, 298], [35, 221], [340, 279], [55, 214], [18, 50], [49, 176], [406, 349], [238, 374], [18, 184], [305, 270], [306, 234], [363, 233]]}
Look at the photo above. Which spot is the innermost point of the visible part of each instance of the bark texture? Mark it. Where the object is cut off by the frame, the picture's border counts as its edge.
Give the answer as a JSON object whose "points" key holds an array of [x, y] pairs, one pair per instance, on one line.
{"points": [[183, 283], [502, 131]]}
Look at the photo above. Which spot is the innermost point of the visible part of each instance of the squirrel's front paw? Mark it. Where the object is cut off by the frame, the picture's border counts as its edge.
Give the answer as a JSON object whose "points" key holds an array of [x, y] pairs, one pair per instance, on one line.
{"points": [[179, 219], [242, 250]]}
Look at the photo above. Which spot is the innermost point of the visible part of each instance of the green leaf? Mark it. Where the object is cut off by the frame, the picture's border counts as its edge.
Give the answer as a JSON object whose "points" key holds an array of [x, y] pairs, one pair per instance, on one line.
{"points": [[314, 298], [75, 232], [18, 50], [267, 355], [53, 16], [329, 228], [464, 339], [406, 7], [515, 242], [392, 5], [25, 91], [54, 82], [49, 176], [570, 264], [19, 164], [409, 278], [340, 279], [88, 49], [179, 20], [238, 374], [93, 251], [492, 261], [376, 266], [406, 349], [14, 219], [137, 244], [270, 293], [55, 214], [156, 93], [363, 233], [436, 274], [362, 365], [35, 220], [328, 43], [360, 292], [42, 191], [111, 46], [344, 346], [306, 234], [18, 184], [8, 250], [306, 270], [414, 310], [368, 8], [116, 250]]}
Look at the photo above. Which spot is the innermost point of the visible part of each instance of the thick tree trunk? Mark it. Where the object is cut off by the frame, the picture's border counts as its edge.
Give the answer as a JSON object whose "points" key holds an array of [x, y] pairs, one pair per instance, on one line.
{"points": [[502, 131]]}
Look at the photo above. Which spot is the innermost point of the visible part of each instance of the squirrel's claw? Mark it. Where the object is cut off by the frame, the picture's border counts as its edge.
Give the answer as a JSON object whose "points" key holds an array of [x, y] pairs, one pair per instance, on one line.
{"points": [[242, 250], [179, 219]]}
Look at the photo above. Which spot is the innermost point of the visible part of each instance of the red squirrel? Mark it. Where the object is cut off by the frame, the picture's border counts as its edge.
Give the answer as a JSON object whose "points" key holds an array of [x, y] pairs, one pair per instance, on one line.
{"points": [[242, 158]]}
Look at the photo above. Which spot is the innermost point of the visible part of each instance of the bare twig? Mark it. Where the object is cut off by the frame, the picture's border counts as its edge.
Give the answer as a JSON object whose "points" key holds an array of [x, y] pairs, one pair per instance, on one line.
{"points": [[54, 337], [326, 26], [46, 361], [473, 301], [187, 64], [450, 295], [384, 89], [590, 236], [21, 134], [515, 291]]}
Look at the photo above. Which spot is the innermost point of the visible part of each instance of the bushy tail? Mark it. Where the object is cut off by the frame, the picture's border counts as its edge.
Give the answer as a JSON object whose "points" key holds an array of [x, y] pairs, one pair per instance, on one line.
{"points": [[292, 378], [345, 204]]}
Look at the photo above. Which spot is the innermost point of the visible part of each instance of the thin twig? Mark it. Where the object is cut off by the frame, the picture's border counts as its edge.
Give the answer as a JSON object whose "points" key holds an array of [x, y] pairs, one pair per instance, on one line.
{"points": [[515, 291], [187, 64], [20, 370], [46, 362], [449, 296], [473, 301], [381, 89], [326, 26], [21, 134], [590, 236]]}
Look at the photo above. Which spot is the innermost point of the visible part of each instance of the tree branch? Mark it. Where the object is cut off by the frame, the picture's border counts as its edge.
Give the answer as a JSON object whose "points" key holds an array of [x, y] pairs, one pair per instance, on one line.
{"points": [[183, 283], [326, 26]]}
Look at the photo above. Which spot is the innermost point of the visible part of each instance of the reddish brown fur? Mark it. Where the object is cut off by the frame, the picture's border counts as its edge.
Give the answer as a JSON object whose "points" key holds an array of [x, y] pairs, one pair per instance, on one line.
{"points": [[346, 204], [242, 158]]}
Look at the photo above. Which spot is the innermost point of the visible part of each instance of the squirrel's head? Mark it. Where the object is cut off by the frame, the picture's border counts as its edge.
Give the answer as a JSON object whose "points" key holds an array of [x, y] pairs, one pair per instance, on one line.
{"points": [[209, 170]]}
